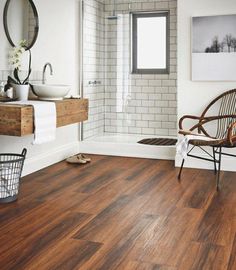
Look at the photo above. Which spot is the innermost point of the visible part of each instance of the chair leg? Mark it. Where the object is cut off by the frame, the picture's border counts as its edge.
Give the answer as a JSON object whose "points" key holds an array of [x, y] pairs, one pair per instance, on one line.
{"points": [[180, 171], [218, 174], [214, 157]]}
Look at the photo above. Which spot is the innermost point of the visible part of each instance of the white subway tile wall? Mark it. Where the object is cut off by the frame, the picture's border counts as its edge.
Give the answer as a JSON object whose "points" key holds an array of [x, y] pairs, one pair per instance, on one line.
{"points": [[123, 102], [93, 65]]}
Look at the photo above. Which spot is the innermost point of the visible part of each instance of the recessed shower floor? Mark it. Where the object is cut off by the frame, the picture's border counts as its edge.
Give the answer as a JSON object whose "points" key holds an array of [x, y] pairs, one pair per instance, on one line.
{"points": [[126, 145]]}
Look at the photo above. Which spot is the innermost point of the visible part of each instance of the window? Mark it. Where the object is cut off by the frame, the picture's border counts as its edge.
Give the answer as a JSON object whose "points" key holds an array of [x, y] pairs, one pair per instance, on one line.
{"points": [[150, 42]]}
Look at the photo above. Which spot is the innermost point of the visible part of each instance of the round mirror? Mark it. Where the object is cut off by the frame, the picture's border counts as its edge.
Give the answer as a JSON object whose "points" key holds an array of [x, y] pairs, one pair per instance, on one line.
{"points": [[21, 22]]}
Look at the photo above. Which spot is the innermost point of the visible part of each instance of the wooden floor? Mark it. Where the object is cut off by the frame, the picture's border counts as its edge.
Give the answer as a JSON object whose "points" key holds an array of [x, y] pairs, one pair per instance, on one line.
{"points": [[120, 213]]}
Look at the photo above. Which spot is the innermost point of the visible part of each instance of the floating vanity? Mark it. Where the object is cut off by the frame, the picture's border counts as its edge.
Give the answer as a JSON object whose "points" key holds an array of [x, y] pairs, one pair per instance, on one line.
{"points": [[17, 120]]}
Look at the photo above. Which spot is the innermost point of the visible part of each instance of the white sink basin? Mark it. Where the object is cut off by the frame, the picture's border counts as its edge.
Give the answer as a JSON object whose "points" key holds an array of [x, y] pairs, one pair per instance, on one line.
{"points": [[51, 91]]}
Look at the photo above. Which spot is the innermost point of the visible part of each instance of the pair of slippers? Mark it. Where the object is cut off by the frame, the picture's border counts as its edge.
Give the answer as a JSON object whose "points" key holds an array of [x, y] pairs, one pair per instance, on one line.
{"points": [[78, 159]]}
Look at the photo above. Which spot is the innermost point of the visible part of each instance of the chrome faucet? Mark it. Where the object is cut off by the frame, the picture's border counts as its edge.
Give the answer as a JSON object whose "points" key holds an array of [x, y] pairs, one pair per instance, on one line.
{"points": [[44, 71]]}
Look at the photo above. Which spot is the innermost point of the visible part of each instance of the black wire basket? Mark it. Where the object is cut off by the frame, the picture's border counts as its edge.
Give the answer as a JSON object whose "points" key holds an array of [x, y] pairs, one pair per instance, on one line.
{"points": [[11, 166]]}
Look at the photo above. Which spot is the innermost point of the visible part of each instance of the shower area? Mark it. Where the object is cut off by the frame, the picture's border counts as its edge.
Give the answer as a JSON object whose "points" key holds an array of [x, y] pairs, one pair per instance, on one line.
{"points": [[125, 108]]}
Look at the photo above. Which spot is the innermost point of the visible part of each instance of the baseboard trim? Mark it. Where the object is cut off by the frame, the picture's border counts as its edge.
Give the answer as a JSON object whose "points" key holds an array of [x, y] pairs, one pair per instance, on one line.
{"points": [[58, 154], [128, 150], [228, 163], [41, 161]]}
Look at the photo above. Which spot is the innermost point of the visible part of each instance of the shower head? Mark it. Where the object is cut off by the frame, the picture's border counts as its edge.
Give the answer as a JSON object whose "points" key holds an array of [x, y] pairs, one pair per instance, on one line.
{"points": [[113, 16]]}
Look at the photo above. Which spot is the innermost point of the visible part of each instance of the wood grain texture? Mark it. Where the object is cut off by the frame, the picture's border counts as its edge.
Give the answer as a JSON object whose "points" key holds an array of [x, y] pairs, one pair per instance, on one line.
{"points": [[204, 256], [69, 254], [17, 120], [232, 260], [138, 265], [120, 213]]}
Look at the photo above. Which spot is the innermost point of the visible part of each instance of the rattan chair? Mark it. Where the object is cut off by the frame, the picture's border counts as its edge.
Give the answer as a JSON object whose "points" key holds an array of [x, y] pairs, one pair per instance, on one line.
{"points": [[221, 127]]}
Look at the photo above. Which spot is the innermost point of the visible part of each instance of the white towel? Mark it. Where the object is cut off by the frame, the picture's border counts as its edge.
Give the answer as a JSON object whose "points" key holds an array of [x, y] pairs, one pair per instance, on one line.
{"points": [[183, 144], [45, 120]]}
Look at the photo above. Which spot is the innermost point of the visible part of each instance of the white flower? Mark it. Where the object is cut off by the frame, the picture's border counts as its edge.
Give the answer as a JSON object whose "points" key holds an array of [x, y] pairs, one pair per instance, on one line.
{"points": [[16, 53], [23, 43], [15, 57]]}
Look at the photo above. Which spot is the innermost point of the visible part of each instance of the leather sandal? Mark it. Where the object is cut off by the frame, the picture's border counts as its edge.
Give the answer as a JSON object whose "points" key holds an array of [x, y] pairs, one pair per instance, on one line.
{"points": [[76, 160], [82, 156]]}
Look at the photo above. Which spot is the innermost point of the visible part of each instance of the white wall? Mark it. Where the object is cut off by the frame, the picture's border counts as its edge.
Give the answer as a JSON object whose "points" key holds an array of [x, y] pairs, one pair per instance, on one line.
{"points": [[194, 96], [57, 43]]}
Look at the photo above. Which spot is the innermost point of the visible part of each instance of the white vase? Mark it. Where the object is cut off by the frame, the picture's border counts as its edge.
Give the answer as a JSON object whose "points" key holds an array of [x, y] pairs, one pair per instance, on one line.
{"points": [[21, 91]]}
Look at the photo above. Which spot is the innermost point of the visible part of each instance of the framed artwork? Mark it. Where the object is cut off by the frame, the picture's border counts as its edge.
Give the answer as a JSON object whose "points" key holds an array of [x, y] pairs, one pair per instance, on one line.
{"points": [[214, 48]]}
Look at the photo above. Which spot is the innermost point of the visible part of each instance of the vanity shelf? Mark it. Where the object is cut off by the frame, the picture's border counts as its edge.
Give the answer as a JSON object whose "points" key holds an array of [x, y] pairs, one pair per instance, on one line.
{"points": [[17, 120]]}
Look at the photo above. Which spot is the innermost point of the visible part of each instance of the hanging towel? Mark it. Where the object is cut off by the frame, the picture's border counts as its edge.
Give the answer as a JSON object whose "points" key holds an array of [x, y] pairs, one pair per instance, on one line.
{"points": [[45, 120], [183, 144]]}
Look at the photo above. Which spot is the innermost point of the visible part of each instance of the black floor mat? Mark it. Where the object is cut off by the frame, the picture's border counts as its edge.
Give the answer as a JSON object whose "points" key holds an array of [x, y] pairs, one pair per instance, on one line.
{"points": [[158, 141]]}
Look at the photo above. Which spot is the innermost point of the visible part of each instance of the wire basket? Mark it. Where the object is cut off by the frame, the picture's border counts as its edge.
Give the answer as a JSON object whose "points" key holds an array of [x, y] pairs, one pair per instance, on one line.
{"points": [[11, 166]]}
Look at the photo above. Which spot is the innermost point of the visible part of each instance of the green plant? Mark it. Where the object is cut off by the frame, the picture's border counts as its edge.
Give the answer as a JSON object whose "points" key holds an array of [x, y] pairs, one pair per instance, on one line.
{"points": [[15, 58]]}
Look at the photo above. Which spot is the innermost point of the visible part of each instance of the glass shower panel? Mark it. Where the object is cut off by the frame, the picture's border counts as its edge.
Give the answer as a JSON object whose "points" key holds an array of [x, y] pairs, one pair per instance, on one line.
{"points": [[93, 67], [118, 87], [121, 102]]}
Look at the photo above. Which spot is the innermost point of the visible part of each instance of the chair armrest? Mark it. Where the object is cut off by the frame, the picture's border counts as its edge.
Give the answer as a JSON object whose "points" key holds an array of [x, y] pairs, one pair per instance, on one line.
{"points": [[202, 121], [230, 136], [185, 132], [193, 117]]}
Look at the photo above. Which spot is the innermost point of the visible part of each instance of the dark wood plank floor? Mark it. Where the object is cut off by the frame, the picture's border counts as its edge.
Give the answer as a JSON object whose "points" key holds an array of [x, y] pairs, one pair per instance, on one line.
{"points": [[120, 213]]}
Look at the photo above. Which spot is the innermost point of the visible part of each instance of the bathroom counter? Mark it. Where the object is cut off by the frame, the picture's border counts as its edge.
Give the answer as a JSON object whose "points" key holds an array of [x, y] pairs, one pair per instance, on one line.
{"points": [[17, 120]]}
